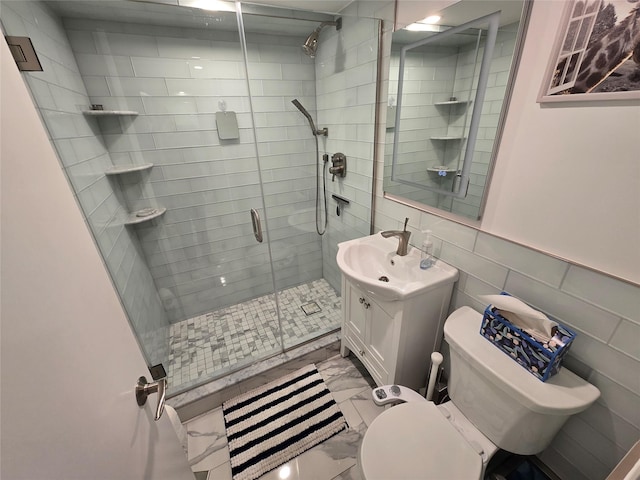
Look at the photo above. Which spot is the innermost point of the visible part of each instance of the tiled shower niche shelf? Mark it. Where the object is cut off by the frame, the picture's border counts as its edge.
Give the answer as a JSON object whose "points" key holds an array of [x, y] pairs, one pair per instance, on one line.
{"points": [[110, 113], [134, 219], [121, 169], [446, 138]]}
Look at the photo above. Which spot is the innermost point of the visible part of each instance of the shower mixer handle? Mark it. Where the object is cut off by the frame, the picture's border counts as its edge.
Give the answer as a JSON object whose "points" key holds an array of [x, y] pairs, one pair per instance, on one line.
{"points": [[339, 162]]}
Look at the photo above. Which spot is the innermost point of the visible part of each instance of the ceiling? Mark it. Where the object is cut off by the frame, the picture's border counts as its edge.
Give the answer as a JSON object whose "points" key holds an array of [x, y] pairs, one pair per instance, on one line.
{"points": [[282, 17], [325, 6], [256, 18], [463, 12]]}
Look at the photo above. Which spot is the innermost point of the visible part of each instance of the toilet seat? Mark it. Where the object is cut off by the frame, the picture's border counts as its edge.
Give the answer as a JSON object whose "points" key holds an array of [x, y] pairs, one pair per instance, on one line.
{"points": [[414, 441]]}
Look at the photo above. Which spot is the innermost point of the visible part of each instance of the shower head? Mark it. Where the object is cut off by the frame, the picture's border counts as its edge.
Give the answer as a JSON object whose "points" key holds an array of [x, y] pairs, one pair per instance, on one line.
{"points": [[310, 45]]}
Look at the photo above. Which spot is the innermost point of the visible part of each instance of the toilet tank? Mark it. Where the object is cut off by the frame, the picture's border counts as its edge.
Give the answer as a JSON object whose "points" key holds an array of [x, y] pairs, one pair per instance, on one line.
{"points": [[511, 407]]}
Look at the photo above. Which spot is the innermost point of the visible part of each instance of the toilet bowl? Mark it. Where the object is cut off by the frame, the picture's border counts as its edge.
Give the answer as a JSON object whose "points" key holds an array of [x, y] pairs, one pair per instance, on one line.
{"points": [[416, 440], [495, 404]]}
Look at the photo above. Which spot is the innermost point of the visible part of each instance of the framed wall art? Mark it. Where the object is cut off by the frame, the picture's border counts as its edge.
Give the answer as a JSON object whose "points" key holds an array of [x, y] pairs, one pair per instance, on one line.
{"points": [[596, 54]]}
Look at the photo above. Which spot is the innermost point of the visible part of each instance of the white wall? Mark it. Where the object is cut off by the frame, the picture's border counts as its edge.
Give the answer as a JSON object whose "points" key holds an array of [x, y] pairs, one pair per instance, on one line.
{"points": [[567, 177], [346, 64]]}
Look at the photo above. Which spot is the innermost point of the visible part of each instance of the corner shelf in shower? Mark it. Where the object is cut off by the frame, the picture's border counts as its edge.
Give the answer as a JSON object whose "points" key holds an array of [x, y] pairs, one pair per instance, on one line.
{"points": [[453, 102], [135, 218], [446, 170], [121, 169], [446, 138], [109, 113]]}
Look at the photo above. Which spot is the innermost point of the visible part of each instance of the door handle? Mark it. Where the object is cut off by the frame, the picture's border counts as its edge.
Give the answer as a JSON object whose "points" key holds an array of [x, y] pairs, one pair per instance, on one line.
{"points": [[257, 227], [144, 389]]}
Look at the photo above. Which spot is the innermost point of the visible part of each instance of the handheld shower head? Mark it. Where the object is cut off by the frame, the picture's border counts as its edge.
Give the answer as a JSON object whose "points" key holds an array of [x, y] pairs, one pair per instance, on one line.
{"points": [[310, 45], [308, 115], [305, 113]]}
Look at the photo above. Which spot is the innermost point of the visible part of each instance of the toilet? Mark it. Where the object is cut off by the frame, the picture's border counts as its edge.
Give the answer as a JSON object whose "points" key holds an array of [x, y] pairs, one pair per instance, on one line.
{"points": [[495, 404]]}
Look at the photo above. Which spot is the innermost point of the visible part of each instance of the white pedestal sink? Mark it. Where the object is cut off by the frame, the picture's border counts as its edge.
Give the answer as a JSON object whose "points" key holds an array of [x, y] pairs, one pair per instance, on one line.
{"points": [[393, 312]]}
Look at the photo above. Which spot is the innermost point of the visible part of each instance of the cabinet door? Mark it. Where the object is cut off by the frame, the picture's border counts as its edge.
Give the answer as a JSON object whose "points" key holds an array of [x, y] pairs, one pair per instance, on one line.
{"points": [[379, 338], [357, 314]]}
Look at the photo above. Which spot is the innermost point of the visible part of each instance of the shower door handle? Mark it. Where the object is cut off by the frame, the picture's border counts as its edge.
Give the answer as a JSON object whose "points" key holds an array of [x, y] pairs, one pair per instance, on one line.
{"points": [[257, 226]]}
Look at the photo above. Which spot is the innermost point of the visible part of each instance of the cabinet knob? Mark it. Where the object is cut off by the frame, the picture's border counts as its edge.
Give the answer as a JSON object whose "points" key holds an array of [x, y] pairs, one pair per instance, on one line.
{"points": [[367, 305], [362, 352], [361, 299]]}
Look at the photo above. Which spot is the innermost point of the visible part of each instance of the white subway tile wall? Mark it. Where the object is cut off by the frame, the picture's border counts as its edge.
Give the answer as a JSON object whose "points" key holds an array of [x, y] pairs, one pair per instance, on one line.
{"points": [[346, 94], [61, 96], [204, 247], [177, 79]]}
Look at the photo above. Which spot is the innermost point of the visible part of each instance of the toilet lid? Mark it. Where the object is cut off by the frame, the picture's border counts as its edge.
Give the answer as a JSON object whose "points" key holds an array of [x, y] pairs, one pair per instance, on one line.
{"points": [[414, 441]]}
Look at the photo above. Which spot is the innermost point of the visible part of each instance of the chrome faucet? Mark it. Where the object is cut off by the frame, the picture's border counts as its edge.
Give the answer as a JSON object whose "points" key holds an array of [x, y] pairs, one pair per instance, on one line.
{"points": [[403, 238]]}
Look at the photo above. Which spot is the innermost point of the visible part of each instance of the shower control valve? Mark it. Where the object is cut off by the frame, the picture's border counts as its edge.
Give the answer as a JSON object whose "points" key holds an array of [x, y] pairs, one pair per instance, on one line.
{"points": [[339, 162]]}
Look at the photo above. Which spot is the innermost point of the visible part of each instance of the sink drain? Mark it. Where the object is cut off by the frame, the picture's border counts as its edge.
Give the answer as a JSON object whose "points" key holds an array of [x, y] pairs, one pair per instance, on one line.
{"points": [[384, 278]]}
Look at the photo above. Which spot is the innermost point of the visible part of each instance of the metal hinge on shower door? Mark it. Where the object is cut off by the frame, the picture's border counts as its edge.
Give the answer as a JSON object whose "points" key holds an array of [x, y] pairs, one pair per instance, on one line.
{"points": [[24, 54]]}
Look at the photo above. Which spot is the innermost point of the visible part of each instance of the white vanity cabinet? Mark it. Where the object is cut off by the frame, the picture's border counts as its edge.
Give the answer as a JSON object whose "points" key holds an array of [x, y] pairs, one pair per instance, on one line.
{"points": [[370, 330], [393, 339]]}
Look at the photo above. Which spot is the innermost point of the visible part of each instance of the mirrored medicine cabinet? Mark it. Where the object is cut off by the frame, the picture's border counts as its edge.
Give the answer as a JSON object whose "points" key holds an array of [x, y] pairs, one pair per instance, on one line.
{"points": [[449, 86]]}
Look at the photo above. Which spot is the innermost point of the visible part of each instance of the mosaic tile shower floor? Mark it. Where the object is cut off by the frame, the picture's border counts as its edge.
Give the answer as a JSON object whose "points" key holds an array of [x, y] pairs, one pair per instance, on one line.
{"points": [[217, 342]]}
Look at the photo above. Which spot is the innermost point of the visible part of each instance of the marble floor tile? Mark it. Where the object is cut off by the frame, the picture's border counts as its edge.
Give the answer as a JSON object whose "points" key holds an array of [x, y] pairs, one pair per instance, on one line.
{"points": [[351, 415], [352, 474], [334, 458], [363, 403], [221, 472], [207, 441], [343, 378]]}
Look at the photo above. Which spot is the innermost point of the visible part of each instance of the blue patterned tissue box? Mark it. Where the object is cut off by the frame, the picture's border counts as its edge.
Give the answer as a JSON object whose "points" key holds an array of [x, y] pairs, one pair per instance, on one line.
{"points": [[540, 359]]}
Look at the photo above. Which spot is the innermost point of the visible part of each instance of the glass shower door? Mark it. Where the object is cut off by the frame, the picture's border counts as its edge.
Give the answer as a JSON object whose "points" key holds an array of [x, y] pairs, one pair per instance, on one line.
{"points": [[133, 110], [294, 174]]}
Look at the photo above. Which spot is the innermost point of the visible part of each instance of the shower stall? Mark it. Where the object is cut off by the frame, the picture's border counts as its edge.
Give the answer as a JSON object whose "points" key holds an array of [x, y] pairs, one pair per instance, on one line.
{"points": [[197, 175]]}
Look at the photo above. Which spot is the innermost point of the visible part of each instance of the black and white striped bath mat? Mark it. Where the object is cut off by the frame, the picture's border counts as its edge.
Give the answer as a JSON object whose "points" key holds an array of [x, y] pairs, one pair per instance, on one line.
{"points": [[270, 425]]}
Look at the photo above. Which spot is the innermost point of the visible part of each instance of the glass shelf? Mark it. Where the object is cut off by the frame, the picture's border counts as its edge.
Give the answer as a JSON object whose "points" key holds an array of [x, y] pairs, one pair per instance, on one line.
{"points": [[109, 113], [120, 169], [445, 138], [141, 215], [447, 170], [453, 102]]}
